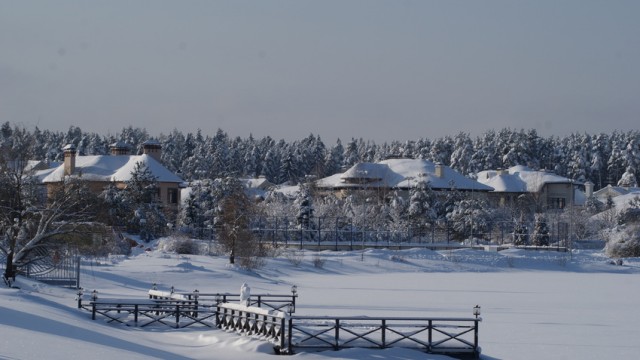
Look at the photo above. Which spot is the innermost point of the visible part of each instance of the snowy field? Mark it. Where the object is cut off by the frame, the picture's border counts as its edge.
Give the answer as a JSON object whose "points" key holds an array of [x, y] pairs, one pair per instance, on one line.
{"points": [[535, 305]]}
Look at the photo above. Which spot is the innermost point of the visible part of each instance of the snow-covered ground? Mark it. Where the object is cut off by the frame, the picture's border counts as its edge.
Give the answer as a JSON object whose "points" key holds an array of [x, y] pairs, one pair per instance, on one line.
{"points": [[535, 305]]}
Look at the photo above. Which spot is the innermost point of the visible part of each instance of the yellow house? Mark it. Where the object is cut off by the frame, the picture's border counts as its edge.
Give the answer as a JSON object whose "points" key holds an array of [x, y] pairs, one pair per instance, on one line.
{"points": [[102, 170]]}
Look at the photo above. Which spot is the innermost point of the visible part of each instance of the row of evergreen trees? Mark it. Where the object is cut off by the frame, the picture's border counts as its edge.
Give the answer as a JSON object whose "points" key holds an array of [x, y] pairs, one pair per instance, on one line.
{"points": [[600, 158]]}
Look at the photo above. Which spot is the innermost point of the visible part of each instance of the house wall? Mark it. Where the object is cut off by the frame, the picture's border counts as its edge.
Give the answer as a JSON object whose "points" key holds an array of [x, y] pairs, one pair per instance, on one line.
{"points": [[169, 192], [558, 196]]}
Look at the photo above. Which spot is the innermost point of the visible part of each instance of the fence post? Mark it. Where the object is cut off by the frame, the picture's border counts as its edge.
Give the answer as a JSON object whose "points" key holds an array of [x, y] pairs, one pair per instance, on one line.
{"points": [[336, 234], [77, 272]]}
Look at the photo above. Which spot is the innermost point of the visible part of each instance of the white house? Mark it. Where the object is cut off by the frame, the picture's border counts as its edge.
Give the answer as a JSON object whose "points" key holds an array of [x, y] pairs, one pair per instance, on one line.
{"points": [[612, 192], [399, 174], [551, 190]]}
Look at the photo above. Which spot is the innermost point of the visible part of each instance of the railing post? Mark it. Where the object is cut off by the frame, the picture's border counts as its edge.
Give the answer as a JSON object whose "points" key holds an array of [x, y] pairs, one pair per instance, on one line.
{"points": [[293, 302], [430, 335], [337, 335], [290, 340], [93, 311], [282, 332], [475, 337], [177, 316], [383, 330]]}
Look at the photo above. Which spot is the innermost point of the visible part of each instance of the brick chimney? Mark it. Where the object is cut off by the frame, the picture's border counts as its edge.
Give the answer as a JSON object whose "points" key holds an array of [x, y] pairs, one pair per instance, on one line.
{"points": [[153, 149], [119, 148], [439, 172], [69, 159]]}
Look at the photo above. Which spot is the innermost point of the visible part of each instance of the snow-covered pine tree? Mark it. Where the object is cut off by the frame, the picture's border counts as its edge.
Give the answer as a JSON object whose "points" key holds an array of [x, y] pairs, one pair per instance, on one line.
{"points": [[421, 210], [520, 232], [469, 219], [304, 208], [461, 158], [540, 236], [628, 179], [141, 192]]}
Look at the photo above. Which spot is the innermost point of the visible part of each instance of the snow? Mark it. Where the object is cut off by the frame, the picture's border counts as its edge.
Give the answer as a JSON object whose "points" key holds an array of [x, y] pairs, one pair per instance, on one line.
{"points": [[110, 168], [401, 173], [519, 178], [535, 304]]}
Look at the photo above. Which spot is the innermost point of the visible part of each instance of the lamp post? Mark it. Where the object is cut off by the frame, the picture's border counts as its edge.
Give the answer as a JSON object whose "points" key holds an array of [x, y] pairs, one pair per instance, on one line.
{"points": [[294, 294], [476, 311], [80, 294]]}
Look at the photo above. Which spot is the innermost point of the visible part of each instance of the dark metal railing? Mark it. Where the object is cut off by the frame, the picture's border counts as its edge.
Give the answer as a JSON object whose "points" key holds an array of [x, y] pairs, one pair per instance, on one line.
{"points": [[432, 335]]}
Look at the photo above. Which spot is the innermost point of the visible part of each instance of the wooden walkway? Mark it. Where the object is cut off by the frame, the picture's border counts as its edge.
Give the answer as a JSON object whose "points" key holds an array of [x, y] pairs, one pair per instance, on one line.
{"points": [[270, 318]]}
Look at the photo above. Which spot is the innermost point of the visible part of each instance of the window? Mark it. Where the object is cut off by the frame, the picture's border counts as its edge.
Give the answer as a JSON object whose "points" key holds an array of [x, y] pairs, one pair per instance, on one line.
{"points": [[557, 203], [172, 196]]}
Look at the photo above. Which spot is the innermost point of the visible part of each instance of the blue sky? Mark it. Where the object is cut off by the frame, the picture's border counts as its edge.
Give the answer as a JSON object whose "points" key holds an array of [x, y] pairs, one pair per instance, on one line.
{"points": [[379, 70]]}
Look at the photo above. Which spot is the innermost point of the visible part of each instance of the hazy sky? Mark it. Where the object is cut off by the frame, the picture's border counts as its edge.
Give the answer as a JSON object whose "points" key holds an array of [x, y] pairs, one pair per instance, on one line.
{"points": [[379, 70]]}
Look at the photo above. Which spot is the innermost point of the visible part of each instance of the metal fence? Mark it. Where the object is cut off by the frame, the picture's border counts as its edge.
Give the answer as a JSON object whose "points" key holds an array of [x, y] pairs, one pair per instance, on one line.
{"points": [[55, 268], [62, 271], [342, 233]]}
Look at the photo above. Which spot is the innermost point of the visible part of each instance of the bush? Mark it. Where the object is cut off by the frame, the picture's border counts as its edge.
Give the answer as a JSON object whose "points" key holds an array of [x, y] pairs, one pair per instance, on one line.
{"points": [[318, 261], [251, 262], [181, 245], [294, 257], [623, 242]]}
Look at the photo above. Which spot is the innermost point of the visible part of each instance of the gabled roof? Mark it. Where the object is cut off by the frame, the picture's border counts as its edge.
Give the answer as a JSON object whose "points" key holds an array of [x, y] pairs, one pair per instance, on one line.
{"points": [[400, 173], [614, 191], [113, 168], [520, 179]]}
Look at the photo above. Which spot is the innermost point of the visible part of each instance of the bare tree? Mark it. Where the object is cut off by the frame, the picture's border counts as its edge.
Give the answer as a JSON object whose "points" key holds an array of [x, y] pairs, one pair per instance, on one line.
{"points": [[232, 224], [30, 216]]}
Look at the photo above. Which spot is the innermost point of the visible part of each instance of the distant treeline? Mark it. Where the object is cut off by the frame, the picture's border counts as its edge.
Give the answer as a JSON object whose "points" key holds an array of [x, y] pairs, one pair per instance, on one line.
{"points": [[599, 158]]}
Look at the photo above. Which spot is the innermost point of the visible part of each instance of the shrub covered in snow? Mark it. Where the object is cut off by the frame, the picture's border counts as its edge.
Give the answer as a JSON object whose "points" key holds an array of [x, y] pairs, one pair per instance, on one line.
{"points": [[182, 245], [623, 242]]}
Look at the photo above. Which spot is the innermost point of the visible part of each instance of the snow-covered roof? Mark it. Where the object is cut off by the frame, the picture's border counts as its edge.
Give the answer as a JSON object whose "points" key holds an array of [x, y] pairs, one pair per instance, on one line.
{"points": [[400, 173], [620, 203], [259, 183], [113, 168], [519, 179], [366, 172], [614, 191]]}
